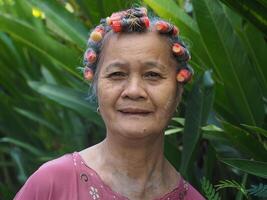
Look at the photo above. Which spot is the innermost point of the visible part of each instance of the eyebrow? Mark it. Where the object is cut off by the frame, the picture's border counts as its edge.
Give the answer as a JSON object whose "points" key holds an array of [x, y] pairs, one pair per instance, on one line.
{"points": [[154, 64], [149, 64], [116, 64]]}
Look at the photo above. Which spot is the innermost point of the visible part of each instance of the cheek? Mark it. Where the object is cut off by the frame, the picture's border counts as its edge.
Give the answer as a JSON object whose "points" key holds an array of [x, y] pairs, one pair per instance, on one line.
{"points": [[167, 99], [107, 94]]}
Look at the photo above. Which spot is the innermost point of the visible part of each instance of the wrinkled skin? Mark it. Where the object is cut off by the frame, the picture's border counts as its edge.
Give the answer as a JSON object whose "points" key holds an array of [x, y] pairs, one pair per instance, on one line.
{"points": [[137, 74], [137, 93]]}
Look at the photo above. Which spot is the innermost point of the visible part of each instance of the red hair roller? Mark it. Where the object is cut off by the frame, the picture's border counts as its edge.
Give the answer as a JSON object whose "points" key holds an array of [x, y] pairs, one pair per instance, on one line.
{"points": [[184, 76], [88, 74], [178, 49], [165, 27], [90, 56], [146, 21], [116, 26]]}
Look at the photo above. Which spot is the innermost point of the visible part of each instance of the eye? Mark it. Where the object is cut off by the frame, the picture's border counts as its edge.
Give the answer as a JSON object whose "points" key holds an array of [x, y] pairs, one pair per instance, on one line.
{"points": [[153, 75], [117, 75]]}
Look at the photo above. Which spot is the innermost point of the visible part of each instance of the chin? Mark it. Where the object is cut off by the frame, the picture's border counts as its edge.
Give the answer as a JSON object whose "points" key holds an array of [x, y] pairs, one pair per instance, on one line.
{"points": [[137, 131]]}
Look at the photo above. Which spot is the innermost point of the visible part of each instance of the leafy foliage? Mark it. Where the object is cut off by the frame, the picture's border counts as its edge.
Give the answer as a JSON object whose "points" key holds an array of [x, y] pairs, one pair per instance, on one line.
{"points": [[232, 184], [258, 190], [219, 131], [234, 133], [209, 190]]}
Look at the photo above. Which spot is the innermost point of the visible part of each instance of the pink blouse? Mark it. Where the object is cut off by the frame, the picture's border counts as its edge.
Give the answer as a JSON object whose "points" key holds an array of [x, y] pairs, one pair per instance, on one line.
{"points": [[69, 178]]}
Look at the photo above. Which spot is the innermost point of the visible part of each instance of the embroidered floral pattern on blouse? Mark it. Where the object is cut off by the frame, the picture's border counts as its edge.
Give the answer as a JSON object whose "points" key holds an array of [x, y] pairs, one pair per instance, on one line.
{"points": [[94, 193], [184, 192]]}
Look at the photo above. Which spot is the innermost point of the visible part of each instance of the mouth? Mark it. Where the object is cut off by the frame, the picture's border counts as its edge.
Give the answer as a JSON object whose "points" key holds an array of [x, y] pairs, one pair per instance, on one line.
{"points": [[135, 112]]}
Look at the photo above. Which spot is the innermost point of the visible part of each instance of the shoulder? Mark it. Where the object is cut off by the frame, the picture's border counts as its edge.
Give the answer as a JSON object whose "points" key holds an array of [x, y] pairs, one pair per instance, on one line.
{"points": [[51, 177], [57, 168]]}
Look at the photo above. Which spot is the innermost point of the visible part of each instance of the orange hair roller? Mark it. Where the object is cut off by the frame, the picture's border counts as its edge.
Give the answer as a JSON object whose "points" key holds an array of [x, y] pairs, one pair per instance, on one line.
{"points": [[178, 49], [88, 74], [184, 76], [165, 27]]}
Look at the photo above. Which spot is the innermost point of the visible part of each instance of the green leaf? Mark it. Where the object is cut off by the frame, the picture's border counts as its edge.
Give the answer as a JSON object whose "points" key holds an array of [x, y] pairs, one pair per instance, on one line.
{"points": [[168, 9], [256, 47], [231, 184], [173, 131], [211, 127], [254, 11], [179, 120], [69, 98], [62, 22], [208, 190], [256, 168], [171, 151], [244, 142], [198, 108], [255, 129], [17, 157], [66, 57], [231, 62], [23, 145], [38, 119], [258, 190]]}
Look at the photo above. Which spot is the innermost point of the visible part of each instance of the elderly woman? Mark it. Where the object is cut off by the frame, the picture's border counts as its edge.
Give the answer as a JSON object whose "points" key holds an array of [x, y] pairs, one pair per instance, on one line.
{"points": [[138, 68]]}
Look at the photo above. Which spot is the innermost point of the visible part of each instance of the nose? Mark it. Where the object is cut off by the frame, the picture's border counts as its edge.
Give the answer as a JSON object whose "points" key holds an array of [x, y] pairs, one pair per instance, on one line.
{"points": [[134, 89]]}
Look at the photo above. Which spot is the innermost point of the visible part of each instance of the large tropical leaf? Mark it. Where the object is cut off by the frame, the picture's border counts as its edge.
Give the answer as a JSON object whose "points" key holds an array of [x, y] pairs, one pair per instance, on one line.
{"points": [[255, 11], [244, 142], [68, 98], [66, 57], [62, 22], [256, 47], [241, 88], [197, 111], [249, 166]]}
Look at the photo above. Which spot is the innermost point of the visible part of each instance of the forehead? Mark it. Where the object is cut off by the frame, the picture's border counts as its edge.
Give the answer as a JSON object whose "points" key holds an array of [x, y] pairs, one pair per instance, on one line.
{"points": [[138, 47]]}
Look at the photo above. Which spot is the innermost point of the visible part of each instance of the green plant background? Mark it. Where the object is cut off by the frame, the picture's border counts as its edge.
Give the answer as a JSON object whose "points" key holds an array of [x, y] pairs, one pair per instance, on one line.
{"points": [[217, 139]]}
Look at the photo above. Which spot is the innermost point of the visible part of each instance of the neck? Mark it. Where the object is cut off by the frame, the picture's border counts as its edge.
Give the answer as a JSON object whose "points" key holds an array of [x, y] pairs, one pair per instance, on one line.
{"points": [[138, 163], [136, 158]]}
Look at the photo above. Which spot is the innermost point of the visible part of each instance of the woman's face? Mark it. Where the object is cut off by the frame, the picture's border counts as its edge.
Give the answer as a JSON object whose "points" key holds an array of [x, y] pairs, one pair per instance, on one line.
{"points": [[136, 86]]}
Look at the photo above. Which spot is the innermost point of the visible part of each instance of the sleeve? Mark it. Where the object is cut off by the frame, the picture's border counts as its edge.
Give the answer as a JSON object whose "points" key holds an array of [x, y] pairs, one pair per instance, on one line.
{"points": [[37, 187], [48, 182]]}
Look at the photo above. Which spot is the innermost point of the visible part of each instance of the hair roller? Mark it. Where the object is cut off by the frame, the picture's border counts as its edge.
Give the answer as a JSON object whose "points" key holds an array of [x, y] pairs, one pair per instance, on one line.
{"points": [[90, 56], [136, 20], [98, 33], [117, 16], [116, 26], [137, 12], [165, 27], [184, 75], [88, 74], [178, 49]]}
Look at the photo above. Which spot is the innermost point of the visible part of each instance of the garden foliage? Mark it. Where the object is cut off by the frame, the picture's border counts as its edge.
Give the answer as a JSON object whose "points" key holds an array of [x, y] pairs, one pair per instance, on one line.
{"points": [[217, 140]]}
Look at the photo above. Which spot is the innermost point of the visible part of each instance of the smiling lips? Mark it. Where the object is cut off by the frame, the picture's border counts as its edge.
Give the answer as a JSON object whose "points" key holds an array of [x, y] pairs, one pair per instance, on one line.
{"points": [[134, 111]]}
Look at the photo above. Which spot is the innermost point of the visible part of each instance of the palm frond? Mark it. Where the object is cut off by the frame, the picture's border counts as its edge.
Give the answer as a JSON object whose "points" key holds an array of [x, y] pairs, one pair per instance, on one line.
{"points": [[258, 190], [232, 184], [209, 190]]}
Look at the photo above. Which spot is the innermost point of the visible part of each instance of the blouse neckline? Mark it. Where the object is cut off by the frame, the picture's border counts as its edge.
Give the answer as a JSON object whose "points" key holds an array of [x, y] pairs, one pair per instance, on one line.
{"points": [[76, 155]]}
